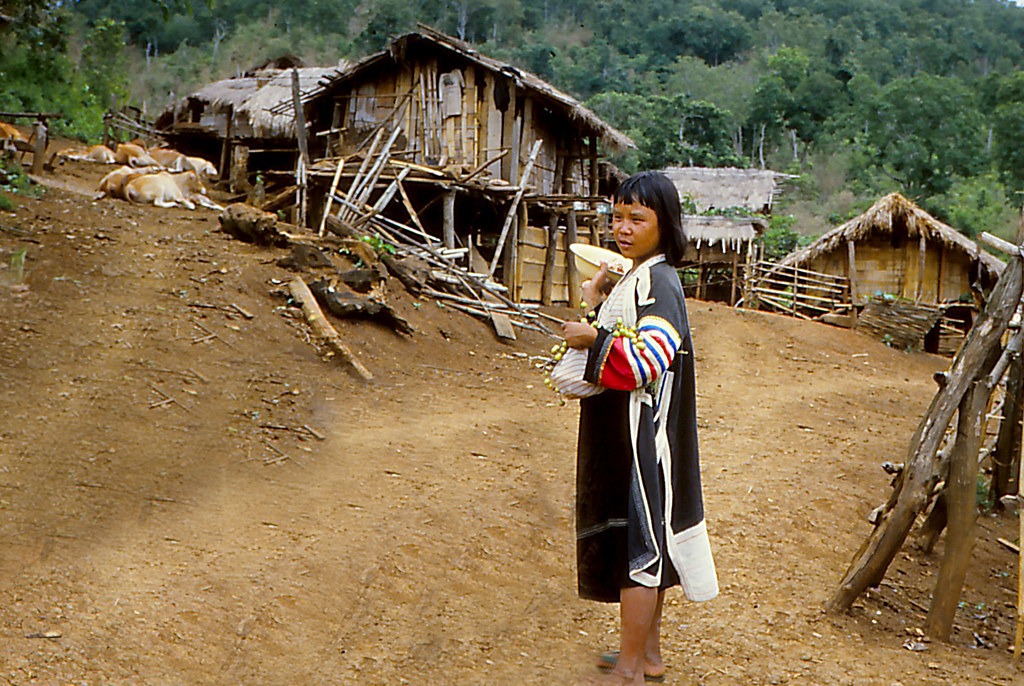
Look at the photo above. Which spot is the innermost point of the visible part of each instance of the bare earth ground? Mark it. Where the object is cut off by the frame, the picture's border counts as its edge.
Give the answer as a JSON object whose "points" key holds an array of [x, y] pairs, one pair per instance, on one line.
{"points": [[429, 538]]}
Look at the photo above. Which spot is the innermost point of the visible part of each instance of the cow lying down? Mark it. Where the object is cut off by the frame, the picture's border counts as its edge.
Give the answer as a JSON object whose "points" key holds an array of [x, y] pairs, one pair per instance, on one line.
{"points": [[113, 184], [169, 190], [100, 154]]}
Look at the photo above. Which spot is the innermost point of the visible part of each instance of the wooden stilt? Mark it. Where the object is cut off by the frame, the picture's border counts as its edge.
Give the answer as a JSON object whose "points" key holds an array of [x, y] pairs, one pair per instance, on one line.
{"points": [[547, 283]]}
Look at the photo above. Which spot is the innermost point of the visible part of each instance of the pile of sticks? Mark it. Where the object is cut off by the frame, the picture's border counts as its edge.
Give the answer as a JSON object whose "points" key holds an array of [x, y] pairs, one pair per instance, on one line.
{"points": [[350, 213]]}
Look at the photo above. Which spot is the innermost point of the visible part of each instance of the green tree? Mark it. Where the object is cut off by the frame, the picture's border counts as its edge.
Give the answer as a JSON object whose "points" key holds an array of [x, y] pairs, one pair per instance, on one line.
{"points": [[104, 63], [1005, 100], [925, 130], [670, 130]]}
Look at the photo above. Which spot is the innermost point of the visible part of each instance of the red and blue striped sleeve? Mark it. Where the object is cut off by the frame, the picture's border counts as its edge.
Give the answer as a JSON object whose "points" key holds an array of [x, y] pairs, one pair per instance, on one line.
{"points": [[627, 363]]}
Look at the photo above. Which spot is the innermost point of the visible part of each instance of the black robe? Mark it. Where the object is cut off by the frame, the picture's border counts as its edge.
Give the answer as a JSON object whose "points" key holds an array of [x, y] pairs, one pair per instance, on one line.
{"points": [[639, 509]]}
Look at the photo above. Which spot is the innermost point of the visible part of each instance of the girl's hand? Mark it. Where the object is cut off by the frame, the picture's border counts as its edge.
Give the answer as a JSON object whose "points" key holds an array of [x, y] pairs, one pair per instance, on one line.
{"points": [[579, 335], [595, 290]]}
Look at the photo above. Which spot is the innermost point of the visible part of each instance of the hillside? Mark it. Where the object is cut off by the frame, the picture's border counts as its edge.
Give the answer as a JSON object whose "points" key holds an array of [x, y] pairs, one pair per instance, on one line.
{"points": [[211, 539]]}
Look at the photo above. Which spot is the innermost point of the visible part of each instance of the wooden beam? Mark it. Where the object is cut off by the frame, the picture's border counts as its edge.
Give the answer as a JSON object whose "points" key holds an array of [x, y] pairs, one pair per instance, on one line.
{"points": [[851, 270], [922, 258]]}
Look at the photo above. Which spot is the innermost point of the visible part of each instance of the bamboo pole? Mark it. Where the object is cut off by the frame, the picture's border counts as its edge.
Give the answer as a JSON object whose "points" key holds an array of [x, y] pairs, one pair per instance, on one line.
{"points": [[515, 204], [330, 196]]}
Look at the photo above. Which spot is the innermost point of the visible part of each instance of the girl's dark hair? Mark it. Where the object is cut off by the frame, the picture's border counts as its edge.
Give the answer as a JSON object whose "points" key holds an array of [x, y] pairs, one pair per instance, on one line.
{"points": [[653, 190]]}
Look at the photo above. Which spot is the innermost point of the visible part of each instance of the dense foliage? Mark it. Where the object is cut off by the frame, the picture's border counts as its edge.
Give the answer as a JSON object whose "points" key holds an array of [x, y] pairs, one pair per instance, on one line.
{"points": [[859, 97]]}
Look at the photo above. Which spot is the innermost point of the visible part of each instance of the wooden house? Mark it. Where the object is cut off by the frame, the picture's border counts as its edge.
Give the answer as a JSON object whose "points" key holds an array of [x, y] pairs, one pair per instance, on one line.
{"points": [[726, 212], [474, 133], [906, 275]]}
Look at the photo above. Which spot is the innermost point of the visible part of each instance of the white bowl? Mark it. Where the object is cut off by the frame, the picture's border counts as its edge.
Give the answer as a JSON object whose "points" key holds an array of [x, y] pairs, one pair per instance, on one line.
{"points": [[589, 259]]}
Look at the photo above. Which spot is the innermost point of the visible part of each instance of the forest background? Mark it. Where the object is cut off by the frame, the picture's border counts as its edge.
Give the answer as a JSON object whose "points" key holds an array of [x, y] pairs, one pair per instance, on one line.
{"points": [[857, 98]]}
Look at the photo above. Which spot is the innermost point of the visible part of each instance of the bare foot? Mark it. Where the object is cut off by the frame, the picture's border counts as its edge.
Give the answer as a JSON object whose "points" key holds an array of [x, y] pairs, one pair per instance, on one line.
{"points": [[654, 667]]}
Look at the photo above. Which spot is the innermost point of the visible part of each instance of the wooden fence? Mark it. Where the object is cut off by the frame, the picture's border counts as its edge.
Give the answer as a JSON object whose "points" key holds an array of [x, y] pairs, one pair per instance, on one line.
{"points": [[796, 291]]}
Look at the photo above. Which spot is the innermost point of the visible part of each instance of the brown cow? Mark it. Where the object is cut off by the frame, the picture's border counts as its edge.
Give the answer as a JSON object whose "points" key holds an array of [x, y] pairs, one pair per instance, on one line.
{"points": [[11, 132], [113, 184], [96, 153], [133, 156], [167, 158]]}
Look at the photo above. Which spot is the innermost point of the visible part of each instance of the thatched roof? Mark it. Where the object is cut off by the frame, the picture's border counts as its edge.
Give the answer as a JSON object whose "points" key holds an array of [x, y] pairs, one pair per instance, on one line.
{"points": [[433, 39], [730, 234], [895, 211], [725, 187], [254, 97]]}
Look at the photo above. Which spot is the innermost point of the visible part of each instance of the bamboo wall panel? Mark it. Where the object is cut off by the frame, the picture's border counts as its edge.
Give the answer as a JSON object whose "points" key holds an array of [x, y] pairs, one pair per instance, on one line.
{"points": [[882, 268]]}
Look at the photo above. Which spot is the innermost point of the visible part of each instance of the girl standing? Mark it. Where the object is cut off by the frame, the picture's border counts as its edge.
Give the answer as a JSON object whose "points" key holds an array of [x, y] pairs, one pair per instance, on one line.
{"points": [[639, 508]]}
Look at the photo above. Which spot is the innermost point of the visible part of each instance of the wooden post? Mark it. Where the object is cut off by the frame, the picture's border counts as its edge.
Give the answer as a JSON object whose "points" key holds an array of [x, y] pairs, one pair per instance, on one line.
{"points": [[594, 176], [515, 283], [39, 152], [239, 168], [549, 261], [851, 270], [1019, 633], [962, 511], [573, 276], [922, 258], [1008, 441], [330, 196], [226, 157], [448, 220], [300, 118], [735, 277]]}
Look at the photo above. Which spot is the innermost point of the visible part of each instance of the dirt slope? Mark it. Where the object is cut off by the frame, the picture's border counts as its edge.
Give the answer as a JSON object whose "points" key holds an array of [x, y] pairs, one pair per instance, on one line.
{"points": [[209, 539]]}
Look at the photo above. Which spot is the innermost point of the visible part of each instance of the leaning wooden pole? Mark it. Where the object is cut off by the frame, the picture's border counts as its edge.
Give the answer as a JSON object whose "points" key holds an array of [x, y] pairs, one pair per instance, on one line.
{"points": [[976, 357]]}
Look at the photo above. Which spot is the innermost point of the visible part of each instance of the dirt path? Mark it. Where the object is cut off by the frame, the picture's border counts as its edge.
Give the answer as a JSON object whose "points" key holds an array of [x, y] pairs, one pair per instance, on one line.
{"points": [[209, 539]]}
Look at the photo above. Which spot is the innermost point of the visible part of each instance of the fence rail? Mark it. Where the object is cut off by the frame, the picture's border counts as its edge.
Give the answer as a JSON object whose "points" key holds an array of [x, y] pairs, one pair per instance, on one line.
{"points": [[796, 291]]}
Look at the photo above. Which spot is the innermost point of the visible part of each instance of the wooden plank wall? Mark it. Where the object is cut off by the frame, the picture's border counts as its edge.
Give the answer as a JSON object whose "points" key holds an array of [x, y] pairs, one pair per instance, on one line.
{"points": [[479, 133], [533, 246]]}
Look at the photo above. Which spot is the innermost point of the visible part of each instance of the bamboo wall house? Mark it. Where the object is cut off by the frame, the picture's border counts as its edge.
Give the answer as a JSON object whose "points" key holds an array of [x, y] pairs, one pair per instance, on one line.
{"points": [[733, 206], [908, 276], [494, 160]]}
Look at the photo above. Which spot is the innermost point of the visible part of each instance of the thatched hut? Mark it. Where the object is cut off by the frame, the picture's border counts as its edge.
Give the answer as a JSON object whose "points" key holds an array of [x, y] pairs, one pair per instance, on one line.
{"points": [[474, 131], [231, 119], [726, 213], [898, 263]]}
